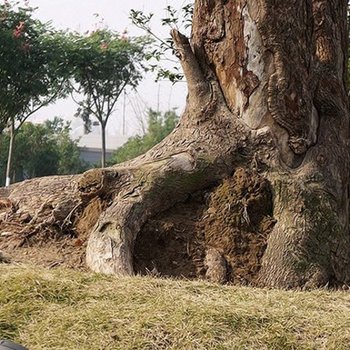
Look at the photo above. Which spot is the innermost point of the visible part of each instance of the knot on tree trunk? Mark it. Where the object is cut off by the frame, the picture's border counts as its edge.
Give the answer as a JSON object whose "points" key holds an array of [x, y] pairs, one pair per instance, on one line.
{"points": [[94, 182]]}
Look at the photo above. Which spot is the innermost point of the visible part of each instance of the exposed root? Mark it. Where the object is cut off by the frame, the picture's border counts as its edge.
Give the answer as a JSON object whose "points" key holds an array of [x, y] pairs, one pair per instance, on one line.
{"points": [[151, 188]]}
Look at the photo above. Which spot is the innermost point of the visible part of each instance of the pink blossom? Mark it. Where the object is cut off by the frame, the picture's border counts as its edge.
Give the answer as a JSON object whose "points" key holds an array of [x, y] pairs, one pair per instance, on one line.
{"points": [[124, 35], [17, 32]]}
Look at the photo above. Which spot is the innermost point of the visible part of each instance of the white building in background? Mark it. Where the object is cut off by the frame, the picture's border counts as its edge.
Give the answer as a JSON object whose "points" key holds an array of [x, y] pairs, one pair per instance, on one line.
{"points": [[90, 145]]}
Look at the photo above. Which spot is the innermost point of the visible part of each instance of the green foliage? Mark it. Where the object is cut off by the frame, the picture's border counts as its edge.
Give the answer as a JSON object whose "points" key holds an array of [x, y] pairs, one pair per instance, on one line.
{"points": [[69, 161], [41, 149], [159, 126], [38, 63], [105, 62], [33, 63]]}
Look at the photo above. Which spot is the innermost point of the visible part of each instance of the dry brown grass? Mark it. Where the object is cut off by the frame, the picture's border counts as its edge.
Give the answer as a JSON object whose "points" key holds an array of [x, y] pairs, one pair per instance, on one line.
{"points": [[61, 309]]}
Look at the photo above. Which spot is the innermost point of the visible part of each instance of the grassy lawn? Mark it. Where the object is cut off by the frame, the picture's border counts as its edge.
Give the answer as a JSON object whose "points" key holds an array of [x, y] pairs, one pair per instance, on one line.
{"points": [[61, 309]]}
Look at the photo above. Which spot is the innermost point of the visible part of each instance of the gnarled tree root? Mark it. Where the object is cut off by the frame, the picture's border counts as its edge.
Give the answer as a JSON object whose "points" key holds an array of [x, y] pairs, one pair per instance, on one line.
{"points": [[147, 189]]}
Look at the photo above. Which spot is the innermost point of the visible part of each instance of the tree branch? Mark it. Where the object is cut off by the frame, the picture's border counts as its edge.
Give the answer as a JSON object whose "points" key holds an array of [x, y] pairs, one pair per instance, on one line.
{"points": [[96, 101], [110, 109], [45, 103], [198, 87]]}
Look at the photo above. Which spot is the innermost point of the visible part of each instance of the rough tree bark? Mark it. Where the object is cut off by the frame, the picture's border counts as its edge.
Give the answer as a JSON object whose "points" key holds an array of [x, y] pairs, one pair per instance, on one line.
{"points": [[267, 97]]}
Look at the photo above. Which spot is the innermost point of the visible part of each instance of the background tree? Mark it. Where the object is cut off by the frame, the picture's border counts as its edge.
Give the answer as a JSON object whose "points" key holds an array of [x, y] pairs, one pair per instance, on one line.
{"points": [[158, 127], [41, 150], [264, 138], [33, 67], [105, 63], [68, 152]]}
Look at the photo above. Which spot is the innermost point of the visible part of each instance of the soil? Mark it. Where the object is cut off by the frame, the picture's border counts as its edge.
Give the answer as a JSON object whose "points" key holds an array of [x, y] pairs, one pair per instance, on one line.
{"points": [[171, 244], [232, 220], [219, 234]]}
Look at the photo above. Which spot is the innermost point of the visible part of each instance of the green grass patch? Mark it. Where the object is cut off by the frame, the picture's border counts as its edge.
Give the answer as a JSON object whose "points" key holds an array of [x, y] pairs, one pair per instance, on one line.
{"points": [[64, 309]]}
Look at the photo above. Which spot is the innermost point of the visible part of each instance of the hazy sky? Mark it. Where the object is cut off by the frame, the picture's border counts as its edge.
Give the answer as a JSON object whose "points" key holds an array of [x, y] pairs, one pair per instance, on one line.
{"points": [[80, 15]]}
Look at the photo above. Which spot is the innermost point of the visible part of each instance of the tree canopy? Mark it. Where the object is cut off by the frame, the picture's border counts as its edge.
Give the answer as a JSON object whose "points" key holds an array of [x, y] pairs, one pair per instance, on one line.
{"points": [[105, 62], [39, 64], [33, 63]]}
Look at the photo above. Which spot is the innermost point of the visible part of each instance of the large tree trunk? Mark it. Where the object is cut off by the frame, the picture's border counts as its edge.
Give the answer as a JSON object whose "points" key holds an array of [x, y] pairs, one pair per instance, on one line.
{"points": [[266, 121]]}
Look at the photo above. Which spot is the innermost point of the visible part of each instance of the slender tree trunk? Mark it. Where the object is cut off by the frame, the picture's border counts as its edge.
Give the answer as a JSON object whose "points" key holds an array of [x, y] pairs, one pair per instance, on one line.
{"points": [[10, 152], [103, 144], [267, 112]]}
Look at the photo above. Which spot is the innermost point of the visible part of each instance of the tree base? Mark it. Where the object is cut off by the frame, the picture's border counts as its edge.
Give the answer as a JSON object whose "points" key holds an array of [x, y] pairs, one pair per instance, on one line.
{"points": [[219, 233]]}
